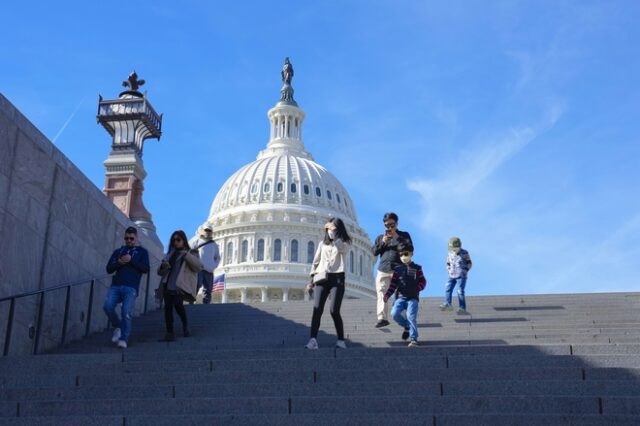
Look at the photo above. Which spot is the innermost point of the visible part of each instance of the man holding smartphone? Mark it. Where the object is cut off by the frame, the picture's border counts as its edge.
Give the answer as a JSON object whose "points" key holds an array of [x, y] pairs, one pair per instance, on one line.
{"points": [[386, 246], [127, 264]]}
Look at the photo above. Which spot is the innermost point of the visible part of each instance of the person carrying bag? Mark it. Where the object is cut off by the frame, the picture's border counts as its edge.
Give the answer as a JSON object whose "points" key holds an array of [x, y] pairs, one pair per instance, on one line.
{"points": [[328, 278], [179, 271]]}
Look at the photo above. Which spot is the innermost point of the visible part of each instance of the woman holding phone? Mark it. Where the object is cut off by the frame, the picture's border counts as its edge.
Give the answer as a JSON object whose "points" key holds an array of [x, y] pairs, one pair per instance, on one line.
{"points": [[179, 269], [329, 263]]}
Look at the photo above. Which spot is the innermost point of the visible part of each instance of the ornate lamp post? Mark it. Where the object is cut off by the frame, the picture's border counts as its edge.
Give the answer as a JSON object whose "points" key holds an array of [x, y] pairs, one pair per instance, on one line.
{"points": [[130, 120]]}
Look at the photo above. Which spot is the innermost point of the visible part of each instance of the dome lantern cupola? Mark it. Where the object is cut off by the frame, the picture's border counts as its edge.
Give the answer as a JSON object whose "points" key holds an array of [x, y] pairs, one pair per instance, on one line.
{"points": [[286, 121]]}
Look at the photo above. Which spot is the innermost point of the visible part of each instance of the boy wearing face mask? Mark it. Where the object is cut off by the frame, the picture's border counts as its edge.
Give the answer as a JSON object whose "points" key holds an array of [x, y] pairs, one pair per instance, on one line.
{"points": [[408, 281]]}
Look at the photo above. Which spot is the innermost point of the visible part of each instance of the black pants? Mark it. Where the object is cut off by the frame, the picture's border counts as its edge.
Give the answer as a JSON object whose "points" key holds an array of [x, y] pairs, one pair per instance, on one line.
{"points": [[335, 288], [173, 300]]}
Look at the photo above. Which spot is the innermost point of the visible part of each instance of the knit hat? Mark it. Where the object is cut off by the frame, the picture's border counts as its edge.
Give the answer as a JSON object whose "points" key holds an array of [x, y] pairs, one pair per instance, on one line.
{"points": [[455, 244]]}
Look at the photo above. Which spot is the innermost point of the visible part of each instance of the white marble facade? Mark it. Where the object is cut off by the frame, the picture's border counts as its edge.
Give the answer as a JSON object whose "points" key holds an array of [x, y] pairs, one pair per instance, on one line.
{"points": [[268, 220]]}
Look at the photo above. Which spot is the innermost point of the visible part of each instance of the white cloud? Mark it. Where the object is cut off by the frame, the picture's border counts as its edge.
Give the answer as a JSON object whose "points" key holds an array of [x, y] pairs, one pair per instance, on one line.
{"points": [[465, 200]]}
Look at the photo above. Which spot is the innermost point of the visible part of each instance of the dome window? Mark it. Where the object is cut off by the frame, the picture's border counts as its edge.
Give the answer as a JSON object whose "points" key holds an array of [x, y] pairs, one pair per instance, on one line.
{"points": [[229, 255], [260, 254], [294, 250], [311, 252], [318, 191], [267, 188], [244, 251], [328, 194], [338, 197], [280, 187], [277, 250], [293, 188], [254, 187], [306, 189]]}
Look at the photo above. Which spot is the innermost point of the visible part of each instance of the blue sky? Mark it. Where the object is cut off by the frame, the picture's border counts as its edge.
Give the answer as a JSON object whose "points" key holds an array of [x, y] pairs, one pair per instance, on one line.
{"points": [[513, 125]]}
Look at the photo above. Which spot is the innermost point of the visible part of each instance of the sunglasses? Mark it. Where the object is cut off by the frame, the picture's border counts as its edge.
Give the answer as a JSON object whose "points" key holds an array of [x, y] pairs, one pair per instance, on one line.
{"points": [[129, 238], [406, 253], [390, 225]]}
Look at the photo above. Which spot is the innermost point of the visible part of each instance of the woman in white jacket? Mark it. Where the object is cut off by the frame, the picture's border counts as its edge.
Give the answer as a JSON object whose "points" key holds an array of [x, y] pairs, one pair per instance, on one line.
{"points": [[328, 278]]}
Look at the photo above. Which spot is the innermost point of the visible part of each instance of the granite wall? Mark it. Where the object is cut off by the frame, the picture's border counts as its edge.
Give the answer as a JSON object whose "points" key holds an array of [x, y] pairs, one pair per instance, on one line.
{"points": [[56, 227]]}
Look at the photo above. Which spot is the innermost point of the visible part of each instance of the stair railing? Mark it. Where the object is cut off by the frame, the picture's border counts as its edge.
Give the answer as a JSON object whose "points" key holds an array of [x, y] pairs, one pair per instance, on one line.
{"points": [[42, 293]]}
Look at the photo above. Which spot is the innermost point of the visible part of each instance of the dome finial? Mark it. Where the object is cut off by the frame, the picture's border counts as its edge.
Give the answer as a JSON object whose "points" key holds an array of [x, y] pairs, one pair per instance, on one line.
{"points": [[286, 93]]}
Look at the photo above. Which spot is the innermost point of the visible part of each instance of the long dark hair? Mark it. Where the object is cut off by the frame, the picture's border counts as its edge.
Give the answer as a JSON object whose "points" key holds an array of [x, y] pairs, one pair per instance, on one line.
{"points": [[341, 231], [179, 233]]}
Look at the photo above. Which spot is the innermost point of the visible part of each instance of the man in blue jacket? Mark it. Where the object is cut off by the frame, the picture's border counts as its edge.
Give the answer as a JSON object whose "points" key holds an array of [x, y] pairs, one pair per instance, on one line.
{"points": [[128, 262]]}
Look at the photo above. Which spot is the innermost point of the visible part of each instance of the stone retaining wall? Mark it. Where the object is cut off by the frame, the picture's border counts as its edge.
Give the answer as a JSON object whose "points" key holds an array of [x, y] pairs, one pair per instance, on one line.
{"points": [[56, 227]]}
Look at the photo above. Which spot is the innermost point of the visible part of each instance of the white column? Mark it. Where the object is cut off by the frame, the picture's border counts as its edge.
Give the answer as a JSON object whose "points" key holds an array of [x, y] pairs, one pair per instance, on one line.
{"points": [[224, 296], [285, 294], [264, 294], [243, 295]]}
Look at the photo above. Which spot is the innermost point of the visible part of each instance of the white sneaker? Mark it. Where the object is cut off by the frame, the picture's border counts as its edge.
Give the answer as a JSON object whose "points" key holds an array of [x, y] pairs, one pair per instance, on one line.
{"points": [[461, 311], [444, 307], [313, 344], [116, 335], [340, 344], [122, 344]]}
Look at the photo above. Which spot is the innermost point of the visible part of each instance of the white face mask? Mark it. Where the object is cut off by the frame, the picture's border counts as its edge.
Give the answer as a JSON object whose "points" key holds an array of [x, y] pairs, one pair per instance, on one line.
{"points": [[406, 259], [332, 234]]}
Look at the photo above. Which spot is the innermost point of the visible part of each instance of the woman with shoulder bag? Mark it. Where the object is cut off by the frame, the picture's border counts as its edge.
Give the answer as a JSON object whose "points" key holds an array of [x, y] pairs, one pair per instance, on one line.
{"points": [[179, 269], [327, 275]]}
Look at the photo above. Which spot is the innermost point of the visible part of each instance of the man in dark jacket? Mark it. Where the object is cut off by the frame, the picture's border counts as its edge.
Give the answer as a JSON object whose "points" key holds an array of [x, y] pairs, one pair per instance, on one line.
{"points": [[129, 263], [408, 281], [385, 246]]}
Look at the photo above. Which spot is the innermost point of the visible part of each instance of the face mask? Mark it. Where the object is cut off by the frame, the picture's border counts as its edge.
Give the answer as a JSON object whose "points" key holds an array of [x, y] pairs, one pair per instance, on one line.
{"points": [[332, 234], [405, 259]]}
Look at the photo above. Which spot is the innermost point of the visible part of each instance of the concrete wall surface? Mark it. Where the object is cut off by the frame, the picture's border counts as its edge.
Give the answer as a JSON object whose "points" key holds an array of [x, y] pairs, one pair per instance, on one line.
{"points": [[56, 227]]}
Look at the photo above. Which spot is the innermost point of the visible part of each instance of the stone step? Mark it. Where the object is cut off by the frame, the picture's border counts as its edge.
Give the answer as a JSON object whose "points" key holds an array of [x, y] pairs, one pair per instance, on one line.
{"points": [[421, 360], [418, 374], [361, 419], [460, 387], [479, 405]]}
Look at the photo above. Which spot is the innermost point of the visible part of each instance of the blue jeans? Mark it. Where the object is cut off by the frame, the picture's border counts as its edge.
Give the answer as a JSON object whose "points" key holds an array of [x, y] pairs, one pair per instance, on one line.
{"points": [[410, 322], [127, 296], [462, 282], [205, 279]]}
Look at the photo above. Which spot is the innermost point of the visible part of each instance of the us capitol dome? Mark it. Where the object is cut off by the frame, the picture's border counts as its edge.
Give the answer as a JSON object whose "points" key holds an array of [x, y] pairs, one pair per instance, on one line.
{"points": [[268, 218]]}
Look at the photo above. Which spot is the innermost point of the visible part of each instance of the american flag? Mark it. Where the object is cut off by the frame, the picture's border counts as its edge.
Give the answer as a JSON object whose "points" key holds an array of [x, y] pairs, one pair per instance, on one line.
{"points": [[218, 283]]}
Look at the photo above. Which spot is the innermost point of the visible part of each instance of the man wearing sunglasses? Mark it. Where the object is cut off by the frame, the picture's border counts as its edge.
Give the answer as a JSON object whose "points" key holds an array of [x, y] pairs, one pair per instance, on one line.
{"points": [[128, 264], [386, 246]]}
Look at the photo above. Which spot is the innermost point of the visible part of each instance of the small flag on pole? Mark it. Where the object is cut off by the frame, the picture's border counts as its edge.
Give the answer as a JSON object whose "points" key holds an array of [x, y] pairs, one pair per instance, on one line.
{"points": [[218, 283]]}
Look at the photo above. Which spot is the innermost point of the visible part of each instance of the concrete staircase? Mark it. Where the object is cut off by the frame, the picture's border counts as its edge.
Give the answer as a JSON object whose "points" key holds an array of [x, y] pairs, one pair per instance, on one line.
{"points": [[515, 360]]}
